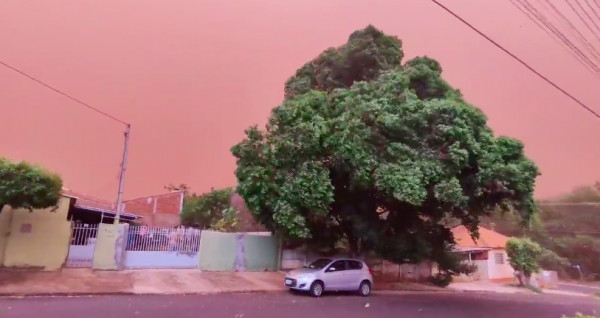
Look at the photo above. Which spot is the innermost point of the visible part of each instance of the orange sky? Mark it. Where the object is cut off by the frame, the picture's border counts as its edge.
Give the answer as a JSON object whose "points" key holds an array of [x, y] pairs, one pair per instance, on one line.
{"points": [[191, 75]]}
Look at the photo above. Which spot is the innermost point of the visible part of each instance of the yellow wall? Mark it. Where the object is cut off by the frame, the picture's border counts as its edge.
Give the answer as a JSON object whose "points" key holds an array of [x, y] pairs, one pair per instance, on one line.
{"points": [[46, 245], [4, 230], [110, 246]]}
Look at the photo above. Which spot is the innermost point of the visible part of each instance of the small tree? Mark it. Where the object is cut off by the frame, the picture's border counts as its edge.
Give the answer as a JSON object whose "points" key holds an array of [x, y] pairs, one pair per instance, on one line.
{"points": [[210, 211], [23, 185], [523, 255]]}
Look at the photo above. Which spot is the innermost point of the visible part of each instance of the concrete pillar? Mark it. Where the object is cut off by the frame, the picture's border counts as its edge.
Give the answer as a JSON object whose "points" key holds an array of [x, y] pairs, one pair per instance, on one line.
{"points": [[110, 246]]}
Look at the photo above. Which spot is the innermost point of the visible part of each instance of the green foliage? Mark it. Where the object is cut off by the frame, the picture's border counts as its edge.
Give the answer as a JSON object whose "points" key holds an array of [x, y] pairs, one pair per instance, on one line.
{"points": [[367, 53], [570, 231], [523, 255], [228, 221], [441, 279], [210, 211], [373, 153], [580, 315], [549, 260], [26, 186], [580, 250]]}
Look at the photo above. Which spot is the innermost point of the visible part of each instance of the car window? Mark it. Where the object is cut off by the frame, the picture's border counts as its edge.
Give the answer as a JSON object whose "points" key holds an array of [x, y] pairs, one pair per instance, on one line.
{"points": [[355, 265], [320, 263], [338, 265]]}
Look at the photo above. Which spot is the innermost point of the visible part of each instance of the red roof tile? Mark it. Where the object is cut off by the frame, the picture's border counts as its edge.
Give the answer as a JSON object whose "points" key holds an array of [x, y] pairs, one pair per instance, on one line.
{"points": [[166, 203], [487, 238]]}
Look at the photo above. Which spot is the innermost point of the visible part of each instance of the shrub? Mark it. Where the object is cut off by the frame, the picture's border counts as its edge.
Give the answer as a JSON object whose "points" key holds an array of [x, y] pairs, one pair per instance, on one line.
{"points": [[580, 315], [441, 279], [549, 260]]}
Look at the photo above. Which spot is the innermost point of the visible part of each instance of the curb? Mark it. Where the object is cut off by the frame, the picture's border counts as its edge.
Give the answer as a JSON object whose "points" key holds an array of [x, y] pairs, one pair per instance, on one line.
{"points": [[130, 293]]}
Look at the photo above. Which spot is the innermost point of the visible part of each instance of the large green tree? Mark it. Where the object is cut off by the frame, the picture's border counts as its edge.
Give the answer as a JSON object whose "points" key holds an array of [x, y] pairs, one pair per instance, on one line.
{"points": [[375, 153], [23, 185]]}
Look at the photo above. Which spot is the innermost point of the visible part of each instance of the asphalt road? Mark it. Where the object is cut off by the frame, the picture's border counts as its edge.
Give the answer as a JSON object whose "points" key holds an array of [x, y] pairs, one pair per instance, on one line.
{"points": [[422, 305], [590, 290]]}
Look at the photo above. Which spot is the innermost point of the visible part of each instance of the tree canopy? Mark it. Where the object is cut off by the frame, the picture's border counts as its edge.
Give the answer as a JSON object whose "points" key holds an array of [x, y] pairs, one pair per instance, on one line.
{"points": [[523, 255], [375, 153], [23, 185], [210, 210]]}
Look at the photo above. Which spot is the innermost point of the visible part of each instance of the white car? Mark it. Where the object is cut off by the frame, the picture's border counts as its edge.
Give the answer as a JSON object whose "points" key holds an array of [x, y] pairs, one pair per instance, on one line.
{"points": [[331, 275]]}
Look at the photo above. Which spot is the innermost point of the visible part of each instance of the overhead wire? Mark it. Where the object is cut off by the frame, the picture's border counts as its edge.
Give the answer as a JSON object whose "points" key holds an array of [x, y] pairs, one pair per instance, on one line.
{"points": [[592, 9], [557, 36], [78, 101], [571, 27], [582, 19], [525, 64], [586, 13]]}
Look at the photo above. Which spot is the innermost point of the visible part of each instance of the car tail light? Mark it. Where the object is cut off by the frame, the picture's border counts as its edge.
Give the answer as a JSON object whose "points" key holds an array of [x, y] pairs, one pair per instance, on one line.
{"points": [[370, 271]]}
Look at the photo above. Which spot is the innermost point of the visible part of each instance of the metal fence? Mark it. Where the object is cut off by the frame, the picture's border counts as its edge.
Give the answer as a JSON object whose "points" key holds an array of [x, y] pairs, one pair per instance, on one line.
{"points": [[153, 239], [84, 234], [83, 243]]}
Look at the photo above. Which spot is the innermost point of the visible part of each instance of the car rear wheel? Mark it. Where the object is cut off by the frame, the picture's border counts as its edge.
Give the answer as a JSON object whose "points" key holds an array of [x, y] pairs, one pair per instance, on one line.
{"points": [[316, 289], [364, 289]]}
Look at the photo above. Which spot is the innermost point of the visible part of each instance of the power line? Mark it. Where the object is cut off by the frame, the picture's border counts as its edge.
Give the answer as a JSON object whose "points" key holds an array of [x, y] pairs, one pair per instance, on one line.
{"points": [[571, 27], [65, 94], [519, 60], [537, 17], [582, 19], [592, 8]]}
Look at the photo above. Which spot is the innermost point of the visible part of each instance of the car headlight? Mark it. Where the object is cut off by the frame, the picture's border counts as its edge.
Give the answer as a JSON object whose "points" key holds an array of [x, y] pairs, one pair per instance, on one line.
{"points": [[305, 276]]}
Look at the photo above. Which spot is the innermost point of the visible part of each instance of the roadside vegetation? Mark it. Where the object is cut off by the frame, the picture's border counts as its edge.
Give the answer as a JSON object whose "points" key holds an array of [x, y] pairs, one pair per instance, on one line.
{"points": [[23, 185], [569, 234], [373, 153]]}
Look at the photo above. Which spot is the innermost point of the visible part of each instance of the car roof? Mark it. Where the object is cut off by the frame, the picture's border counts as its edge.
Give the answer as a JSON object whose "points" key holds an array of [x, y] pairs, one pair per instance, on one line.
{"points": [[346, 259]]}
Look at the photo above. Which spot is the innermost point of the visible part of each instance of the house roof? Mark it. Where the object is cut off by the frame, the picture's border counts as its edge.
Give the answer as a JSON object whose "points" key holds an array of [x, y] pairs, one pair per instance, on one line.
{"points": [[166, 203], [487, 238]]}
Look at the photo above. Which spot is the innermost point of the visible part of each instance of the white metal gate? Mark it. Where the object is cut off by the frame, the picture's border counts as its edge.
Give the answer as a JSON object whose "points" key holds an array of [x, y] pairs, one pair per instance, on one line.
{"points": [[83, 243], [151, 247]]}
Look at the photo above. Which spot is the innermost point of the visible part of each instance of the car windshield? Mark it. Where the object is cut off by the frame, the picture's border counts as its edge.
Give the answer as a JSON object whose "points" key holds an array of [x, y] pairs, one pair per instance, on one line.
{"points": [[320, 263]]}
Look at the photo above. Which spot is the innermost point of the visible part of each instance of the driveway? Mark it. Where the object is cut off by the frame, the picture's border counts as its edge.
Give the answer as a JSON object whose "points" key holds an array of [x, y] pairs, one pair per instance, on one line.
{"points": [[283, 304]]}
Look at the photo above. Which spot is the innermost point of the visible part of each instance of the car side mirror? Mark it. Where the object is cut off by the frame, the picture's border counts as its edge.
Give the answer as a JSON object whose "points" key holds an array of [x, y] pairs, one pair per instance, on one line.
{"points": [[331, 269]]}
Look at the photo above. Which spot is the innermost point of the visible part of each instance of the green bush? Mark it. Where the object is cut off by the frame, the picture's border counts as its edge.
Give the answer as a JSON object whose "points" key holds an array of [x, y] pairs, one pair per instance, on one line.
{"points": [[580, 315], [441, 279], [549, 260]]}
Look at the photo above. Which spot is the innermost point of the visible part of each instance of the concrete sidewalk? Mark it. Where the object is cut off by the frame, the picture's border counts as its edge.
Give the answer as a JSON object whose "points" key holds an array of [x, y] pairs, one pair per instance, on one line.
{"points": [[164, 282]]}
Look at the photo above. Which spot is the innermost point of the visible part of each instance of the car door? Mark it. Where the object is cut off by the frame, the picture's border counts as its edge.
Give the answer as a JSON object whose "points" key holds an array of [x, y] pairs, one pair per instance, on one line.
{"points": [[352, 275], [334, 275]]}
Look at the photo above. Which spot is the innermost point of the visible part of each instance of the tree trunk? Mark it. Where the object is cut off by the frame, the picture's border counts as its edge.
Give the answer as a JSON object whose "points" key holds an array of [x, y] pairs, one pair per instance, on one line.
{"points": [[527, 280], [524, 280]]}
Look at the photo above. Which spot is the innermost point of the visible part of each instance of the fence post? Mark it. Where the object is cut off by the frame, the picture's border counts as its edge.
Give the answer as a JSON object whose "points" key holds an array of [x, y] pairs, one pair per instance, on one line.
{"points": [[110, 246]]}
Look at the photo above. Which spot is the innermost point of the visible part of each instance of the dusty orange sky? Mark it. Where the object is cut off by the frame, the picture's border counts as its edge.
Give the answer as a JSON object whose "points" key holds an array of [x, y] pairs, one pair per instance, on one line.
{"points": [[191, 75]]}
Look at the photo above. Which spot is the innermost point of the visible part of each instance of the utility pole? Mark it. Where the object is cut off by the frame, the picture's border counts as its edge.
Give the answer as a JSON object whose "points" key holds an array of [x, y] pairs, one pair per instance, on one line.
{"points": [[122, 175]]}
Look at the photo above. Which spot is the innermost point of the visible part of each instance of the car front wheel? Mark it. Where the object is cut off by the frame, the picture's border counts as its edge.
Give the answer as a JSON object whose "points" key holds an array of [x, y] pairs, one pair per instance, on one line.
{"points": [[316, 289]]}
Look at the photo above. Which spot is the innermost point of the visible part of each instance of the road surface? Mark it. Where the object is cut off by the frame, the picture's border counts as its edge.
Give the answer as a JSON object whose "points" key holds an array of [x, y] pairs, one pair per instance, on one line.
{"points": [[422, 305], [589, 290]]}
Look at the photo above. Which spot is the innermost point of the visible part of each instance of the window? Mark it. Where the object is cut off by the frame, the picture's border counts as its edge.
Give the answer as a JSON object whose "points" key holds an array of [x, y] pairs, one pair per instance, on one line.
{"points": [[320, 263], [338, 265], [499, 258], [355, 265]]}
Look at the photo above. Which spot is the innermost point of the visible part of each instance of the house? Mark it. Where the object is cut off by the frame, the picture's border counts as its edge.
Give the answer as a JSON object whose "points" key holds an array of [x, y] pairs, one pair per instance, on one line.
{"points": [[162, 210], [487, 253]]}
